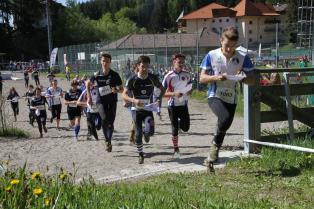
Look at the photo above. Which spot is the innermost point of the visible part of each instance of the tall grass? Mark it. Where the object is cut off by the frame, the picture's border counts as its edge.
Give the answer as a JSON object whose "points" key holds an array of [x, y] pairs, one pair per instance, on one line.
{"points": [[14, 132]]}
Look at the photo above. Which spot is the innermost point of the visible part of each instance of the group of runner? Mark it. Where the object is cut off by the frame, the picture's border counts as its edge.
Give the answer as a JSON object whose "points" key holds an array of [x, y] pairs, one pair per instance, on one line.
{"points": [[97, 96]]}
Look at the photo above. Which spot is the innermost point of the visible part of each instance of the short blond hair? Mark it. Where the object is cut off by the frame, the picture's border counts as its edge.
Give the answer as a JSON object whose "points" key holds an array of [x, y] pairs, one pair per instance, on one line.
{"points": [[230, 33]]}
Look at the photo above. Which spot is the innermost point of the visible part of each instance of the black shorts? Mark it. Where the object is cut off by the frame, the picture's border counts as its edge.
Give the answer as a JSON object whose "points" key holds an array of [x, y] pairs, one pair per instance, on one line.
{"points": [[56, 111], [74, 112]]}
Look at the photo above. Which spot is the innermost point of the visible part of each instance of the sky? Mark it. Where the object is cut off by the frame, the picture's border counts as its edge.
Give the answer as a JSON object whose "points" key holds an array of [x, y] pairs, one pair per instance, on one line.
{"points": [[63, 1]]}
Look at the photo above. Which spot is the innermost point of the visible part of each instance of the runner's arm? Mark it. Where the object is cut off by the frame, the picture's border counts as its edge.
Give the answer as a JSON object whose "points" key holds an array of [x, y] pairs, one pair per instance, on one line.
{"points": [[205, 78]]}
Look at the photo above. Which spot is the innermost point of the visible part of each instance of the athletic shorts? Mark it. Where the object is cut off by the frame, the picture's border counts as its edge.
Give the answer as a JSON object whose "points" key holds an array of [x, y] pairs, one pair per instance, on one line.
{"points": [[74, 112]]}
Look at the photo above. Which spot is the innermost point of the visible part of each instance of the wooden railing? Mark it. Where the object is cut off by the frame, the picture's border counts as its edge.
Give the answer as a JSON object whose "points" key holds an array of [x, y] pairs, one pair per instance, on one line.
{"points": [[278, 97]]}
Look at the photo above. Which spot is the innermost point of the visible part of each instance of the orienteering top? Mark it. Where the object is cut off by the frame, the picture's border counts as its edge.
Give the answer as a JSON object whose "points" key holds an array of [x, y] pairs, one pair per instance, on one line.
{"points": [[55, 95], [215, 63], [72, 95], [26, 76], [176, 82], [143, 89], [39, 103], [104, 84], [29, 95], [95, 96]]}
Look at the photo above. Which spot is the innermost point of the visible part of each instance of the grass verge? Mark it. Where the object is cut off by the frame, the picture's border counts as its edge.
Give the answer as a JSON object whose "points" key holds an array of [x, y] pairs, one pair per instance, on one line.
{"points": [[14, 132], [277, 179]]}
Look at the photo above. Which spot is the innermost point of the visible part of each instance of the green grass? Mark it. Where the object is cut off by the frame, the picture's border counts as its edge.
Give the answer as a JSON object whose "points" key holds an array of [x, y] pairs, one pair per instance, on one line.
{"points": [[62, 75], [14, 132], [277, 179]]}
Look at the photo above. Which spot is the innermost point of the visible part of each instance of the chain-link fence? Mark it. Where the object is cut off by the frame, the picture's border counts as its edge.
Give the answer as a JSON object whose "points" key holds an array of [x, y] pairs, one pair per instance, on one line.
{"points": [[258, 40]]}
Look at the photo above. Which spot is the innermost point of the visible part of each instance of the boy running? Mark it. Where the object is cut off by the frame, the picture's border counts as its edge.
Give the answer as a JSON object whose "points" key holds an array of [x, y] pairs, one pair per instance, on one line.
{"points": [[178, 84], [141, 86]]}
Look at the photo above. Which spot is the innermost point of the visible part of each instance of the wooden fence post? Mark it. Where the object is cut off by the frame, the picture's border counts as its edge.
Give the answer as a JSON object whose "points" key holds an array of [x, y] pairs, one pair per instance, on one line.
{"points": [[252, 118]]}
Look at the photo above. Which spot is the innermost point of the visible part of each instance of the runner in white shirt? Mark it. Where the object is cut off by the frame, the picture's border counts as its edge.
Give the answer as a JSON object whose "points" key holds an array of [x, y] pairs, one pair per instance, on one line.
{"points": [[221, 69], [55, 93], [178, 85]]}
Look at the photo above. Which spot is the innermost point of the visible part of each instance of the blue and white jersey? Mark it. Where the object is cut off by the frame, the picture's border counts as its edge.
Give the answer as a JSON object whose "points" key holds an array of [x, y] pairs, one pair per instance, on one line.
{"points": [[55, 95], [95, 99], [215, 63]]}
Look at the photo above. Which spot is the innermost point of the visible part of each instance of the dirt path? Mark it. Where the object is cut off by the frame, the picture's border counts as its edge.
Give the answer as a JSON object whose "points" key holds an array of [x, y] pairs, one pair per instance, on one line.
{"points": [[57, 149]]}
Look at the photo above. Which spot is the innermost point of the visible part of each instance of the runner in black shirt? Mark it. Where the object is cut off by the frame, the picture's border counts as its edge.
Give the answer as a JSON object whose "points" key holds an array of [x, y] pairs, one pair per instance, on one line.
{"points": [[29, 96], [38, 105], [74, 111], [26, 77], [142, 88], [36, 76], [109, 83], [13, 97]]}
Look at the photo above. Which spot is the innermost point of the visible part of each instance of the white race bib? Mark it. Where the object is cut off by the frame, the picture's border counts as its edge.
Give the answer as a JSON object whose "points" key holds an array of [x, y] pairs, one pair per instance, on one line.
{"points": [[40, 107], [105, 90], [226, 94], [56, 100], [93, 108], [15, 99], [72, 105]]}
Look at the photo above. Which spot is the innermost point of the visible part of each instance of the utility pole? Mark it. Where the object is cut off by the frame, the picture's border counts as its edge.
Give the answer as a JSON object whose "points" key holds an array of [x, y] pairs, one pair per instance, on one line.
{"points": [[48, 28], [276, 45]]}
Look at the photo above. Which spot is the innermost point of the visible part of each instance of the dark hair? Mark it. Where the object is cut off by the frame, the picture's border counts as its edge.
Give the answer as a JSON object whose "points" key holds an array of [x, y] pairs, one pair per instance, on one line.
{"points": [[37, 89], [106, 55], [143, 59], [178, 55], [31, 86], [231, 33], [12, 90]]}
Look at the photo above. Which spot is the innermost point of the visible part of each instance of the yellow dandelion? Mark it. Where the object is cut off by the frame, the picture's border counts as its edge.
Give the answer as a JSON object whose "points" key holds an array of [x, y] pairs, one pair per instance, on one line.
{"points": [[37, 191], [8, 189], [36, 175], [14, 181], [63, 176], [48, 201]]}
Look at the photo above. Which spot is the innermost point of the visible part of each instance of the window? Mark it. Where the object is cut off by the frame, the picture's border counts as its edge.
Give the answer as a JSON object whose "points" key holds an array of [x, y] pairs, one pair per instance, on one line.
{"points": [[213, 20], [236, 19], [251, 22], [81, 56], [250, 31], [260, 37], [205, 20], [220, 20], [227, 20], [250, 40]]}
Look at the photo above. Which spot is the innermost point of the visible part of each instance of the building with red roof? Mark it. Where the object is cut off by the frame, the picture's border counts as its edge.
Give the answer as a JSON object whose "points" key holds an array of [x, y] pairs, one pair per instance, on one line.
{"points": [[255, 21]]}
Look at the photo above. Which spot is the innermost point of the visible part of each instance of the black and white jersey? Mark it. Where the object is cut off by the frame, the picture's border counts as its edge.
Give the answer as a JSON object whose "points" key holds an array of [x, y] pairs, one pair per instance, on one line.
{"points": [[104, 84], [143, 89], [29, 95], [35, 73], [39, 103], [13, 97], [72, 95]]}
